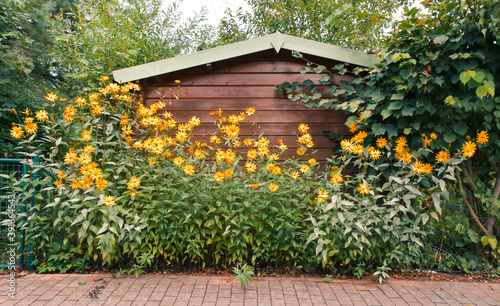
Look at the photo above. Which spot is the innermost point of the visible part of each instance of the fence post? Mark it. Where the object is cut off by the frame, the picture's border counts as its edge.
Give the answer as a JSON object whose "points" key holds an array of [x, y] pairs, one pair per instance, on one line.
{"points": [[23, 211], [36, 176]]}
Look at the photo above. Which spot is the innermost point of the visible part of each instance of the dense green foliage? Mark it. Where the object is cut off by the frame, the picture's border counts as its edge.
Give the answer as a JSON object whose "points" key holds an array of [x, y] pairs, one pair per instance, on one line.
{"points": [[103, 36], [358, 24], [26, 63], [440, 75], [70, 44]]}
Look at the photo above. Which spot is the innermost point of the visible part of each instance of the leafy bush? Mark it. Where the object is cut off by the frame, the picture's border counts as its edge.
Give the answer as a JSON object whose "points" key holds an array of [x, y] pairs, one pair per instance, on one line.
{"points": [[132, 187]]}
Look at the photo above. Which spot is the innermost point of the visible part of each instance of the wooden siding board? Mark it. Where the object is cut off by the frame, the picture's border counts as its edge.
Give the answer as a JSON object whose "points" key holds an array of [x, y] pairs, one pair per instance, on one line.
{"points": [[274, 116], [236, 105]]}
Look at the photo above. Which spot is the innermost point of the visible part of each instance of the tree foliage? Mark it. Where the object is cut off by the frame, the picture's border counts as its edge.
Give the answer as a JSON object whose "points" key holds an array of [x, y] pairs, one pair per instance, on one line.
{"points": [[109, 35], [357, 24], [26, 65], [440, 75]]}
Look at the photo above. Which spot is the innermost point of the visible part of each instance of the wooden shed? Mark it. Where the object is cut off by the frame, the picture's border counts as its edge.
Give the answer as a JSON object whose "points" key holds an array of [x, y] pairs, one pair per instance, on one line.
{"points": [[245, 74]]}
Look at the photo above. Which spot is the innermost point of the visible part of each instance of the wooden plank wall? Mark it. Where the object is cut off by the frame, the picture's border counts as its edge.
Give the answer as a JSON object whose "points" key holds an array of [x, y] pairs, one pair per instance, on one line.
{"points": [[249, 81]]}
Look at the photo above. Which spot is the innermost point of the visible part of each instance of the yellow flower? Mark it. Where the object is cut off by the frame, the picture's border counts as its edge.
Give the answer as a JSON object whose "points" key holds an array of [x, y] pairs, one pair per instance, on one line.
{"points": [[69, 113], [152, 160], [219, 177], [422, 168], [181, 136], [358, 149], [247, 142], [353, 128], [42, 115], [17, 132], [303, 128], [113, 87], [305, 138], [482, 137], [51, 97], [304, 168], [433, 136], [273, 156], [263, 150], [294, 174], [300, 151], [250, 167], [86, 135], [84, 158], [194, 121], [347, 145], [109, 201], [61, 175], [283, 147], [75, 184], [312, 161], [215, 139], [216, 113], [189, 170], [100, 184], [469, 149], [273, 187], [442, 157], [31, 128], [59, 183], [336, 178], [276, 170], [404, 156], [236, 144], [177, 81], [103, 78], [262, 142], [401, 141], [178, 161], [231, 131], [250, 111], [88, 149], [95, 173], [70, 158], [255, 186], [381, 142], [364, 189], [134, 182], [228, 173], [359, 137], [86, 182], [127, 129], [322, 194], [199, 154], [374, 153], [96, 110]]}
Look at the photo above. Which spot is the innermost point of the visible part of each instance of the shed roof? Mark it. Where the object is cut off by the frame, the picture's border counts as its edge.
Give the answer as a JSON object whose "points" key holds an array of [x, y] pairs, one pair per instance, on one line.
{"points": [[277, 41]]}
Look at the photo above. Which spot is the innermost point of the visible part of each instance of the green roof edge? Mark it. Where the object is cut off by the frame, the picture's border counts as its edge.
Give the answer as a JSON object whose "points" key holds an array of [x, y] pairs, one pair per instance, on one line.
{"points": [[275, 41]]}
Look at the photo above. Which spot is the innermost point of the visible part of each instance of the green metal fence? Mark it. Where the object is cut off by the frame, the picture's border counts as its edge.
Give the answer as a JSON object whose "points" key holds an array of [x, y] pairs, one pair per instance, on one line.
{"points": [[12, 205]]}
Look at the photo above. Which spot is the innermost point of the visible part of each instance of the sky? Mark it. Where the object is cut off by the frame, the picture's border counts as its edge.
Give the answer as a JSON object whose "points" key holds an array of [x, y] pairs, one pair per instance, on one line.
{"points": [[216, 8]]}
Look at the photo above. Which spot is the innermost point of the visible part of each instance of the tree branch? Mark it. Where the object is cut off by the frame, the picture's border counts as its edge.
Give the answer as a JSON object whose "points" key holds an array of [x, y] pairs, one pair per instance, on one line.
{"points": [[469, 207], [468, 176]]}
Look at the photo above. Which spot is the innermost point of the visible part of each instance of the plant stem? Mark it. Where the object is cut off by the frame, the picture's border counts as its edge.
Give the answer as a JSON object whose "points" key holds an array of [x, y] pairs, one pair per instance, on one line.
{"points": [[471, 210]]}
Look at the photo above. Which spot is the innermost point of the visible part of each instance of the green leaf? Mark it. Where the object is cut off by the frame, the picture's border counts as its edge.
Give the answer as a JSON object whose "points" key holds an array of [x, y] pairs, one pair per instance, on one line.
{"points": [[441, 39], [398, 96], [460, 128], [466, 76], [479, 77], [437, 202]]}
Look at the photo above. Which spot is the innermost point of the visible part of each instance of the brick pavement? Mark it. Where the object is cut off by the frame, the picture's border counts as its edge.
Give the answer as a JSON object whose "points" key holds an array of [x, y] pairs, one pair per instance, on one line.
{"points": [[151, 289]]}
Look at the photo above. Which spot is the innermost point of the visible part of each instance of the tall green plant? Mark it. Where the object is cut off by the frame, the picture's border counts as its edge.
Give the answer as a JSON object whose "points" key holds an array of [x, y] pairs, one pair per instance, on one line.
{"points": [[439, 75]]}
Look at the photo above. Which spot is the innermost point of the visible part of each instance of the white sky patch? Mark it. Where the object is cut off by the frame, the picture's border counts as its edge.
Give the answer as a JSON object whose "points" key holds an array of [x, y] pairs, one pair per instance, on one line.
{"points": [[215, 8]]}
